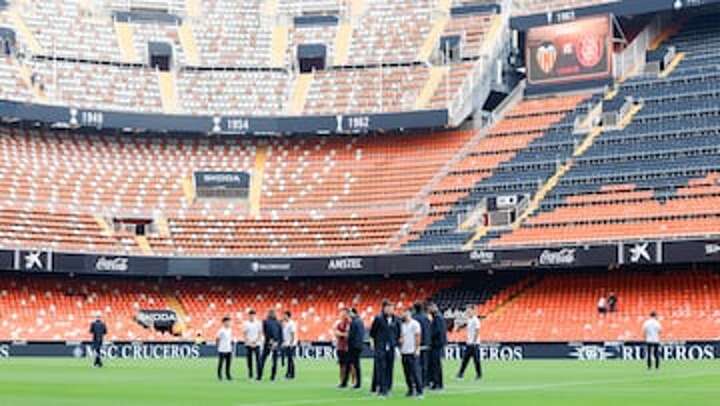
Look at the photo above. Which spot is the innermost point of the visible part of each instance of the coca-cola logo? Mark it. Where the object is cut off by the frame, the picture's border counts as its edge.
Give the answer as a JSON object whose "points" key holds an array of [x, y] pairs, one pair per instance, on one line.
{"points": [[565, 256], [111, 264]]}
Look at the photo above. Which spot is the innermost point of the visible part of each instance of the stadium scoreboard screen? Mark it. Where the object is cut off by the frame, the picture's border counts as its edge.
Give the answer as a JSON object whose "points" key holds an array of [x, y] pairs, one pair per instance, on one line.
{"points": [[570, 52]]}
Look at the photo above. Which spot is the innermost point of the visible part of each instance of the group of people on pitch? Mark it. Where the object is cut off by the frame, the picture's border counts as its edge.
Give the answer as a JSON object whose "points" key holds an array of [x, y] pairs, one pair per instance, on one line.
{"points": [[270, 339], [418, 333]]}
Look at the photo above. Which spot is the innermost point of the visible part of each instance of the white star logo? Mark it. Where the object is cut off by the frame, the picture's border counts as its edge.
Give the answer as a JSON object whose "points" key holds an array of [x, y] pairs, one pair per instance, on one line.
{"points": [[32, 260], [640, 251]]}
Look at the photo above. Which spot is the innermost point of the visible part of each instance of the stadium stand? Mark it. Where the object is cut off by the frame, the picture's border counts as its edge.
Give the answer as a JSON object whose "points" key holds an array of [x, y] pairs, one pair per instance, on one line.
{"points": [[562, 306], [73, 50], [557, 306], [506, 160], [44, 307], [657, 177], [317, 195], [391, 32]]}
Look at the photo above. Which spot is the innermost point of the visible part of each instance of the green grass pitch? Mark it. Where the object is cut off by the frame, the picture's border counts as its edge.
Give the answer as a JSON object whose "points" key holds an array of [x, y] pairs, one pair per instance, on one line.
{"points": [[65, 382]]}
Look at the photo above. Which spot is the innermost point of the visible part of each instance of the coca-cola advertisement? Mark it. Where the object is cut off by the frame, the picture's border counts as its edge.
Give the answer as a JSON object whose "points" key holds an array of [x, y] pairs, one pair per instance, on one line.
{"points": [[569, 52], [111, 264], [565, 256]]}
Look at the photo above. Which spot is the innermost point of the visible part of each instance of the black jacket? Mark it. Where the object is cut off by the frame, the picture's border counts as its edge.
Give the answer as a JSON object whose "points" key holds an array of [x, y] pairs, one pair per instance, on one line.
{"points": [[385, 334], [439, 331], [272, 330], [356, 334], [425, 332], [98, 331]]}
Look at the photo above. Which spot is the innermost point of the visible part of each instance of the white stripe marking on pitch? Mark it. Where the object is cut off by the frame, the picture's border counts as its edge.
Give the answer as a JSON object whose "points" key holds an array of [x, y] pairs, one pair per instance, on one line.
{"points": [[474, 390]]}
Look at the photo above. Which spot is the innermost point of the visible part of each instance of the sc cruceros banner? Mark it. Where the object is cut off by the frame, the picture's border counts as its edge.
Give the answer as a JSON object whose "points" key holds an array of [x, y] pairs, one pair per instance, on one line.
{"points": [[570, 52]]}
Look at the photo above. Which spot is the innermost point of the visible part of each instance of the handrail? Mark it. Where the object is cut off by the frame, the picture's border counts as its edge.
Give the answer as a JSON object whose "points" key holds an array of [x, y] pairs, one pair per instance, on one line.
{"points": [[435, 249]]}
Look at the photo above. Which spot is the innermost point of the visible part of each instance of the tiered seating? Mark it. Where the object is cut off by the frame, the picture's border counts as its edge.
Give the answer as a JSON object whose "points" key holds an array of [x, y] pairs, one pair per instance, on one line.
{"points": [[471, 29], [657, 177], [234, 33], [334, 234], [313, 34], [71, 29], [51, 308], [232, 52], [562, 307], [450, 85], [59, 308], [145, 33], [28, 229], [12, 86], [229, 92], [486, 291], [315, 303], [318, 195], [366, 90], [330, 197], [391, 31], [94, 86], [517, 156]]}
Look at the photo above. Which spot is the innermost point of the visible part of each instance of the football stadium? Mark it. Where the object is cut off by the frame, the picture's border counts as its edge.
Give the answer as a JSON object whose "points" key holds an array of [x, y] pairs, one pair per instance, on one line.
{"points": [[313, 202]]}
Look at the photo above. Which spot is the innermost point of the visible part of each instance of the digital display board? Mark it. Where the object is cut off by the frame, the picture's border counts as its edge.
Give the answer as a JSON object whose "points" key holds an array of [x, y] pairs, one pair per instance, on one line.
{"points": [[570, 52]]}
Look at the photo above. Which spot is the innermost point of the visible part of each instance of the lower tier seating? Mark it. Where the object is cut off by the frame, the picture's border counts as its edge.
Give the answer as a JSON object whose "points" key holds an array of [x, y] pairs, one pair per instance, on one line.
{"points": [[563, 306], [532, 306]]}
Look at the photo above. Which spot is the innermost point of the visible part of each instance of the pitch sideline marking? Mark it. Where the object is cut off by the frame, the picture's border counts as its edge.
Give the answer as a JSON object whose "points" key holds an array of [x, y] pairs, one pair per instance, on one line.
{"points": [[475, 390]]}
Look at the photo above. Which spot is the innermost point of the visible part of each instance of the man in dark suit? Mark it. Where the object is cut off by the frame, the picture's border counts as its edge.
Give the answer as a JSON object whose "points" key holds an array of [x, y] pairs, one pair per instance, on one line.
{"points": [[356, 343], [420, 314], [385, 332], [272, 330], [438, 341], [98, 331]]}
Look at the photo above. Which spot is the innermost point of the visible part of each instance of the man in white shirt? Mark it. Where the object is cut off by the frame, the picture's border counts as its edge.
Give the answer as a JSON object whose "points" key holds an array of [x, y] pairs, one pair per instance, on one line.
{"points": [[253, 340], [225, 348], [410, 337], [651, 331], [290, 341], [602, 305], [471, 345]]}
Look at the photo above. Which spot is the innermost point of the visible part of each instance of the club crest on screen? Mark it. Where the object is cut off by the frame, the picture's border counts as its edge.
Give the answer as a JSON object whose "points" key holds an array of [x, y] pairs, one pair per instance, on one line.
{"points": [[589, 50], [546, 57]]}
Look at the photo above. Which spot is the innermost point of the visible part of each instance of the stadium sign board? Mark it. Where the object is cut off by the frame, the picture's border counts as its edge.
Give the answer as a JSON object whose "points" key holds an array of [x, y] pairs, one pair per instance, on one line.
{"points": [[575, 51], [159, 320], [69, 116], [504, 351], [572, 256]]}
